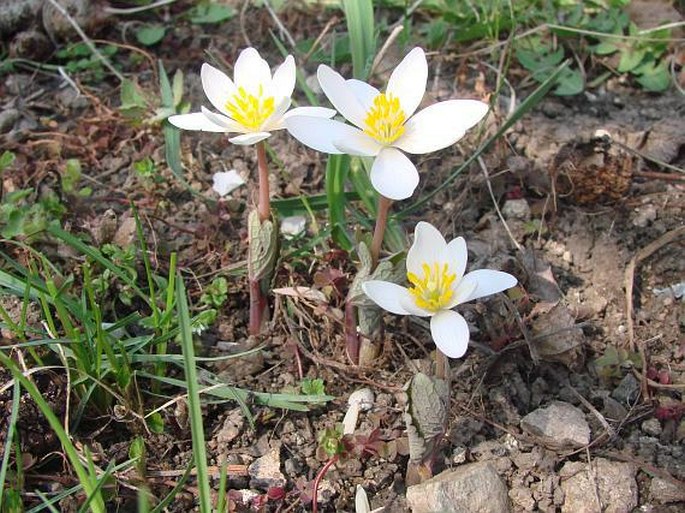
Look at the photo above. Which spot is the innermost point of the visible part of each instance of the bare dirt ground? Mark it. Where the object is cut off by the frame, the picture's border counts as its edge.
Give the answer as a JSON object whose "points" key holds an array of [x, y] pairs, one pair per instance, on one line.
{"points": [[580, 217]]}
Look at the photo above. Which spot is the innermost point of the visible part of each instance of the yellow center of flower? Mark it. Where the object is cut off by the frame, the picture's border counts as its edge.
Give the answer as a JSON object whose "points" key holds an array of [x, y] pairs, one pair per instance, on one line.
{"points": [[432, 290], [385, 119], [249, 110]]}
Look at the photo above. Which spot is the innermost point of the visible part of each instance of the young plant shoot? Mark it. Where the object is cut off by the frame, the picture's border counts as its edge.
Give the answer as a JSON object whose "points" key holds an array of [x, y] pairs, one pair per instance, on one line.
{"points": [[435, 270], [252, 105]]}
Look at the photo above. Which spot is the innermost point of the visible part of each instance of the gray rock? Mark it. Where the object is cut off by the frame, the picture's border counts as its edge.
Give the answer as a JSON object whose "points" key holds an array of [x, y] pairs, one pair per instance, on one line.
{"points": [[472, 488], [516, 209], [665, 492], [603, 485], [265, 472], [8, 118], [627, 390], [559, 425], [651, 427]]}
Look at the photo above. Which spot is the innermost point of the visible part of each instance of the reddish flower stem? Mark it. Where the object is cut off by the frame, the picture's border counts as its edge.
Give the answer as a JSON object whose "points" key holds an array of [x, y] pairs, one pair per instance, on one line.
{"points": [[315, 487], [379, 231], [264, 204], [258, 306]]}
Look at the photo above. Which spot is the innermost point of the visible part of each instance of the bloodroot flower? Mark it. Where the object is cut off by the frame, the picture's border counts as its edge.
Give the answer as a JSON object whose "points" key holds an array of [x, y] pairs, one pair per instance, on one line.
{"points": [[385, 123], [252, 105], [435, 270]]}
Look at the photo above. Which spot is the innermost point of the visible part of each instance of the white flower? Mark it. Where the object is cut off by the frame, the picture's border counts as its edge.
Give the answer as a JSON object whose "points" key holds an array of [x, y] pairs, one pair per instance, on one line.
{"points": [[435, 269], [253, 105], [385, 123], [225, 182]]}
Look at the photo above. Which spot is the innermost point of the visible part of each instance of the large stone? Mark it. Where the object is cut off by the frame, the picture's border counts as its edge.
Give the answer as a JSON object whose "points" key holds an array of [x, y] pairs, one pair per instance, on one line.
{"points": [[472, 488], [665, 492], [560, 425], [265, 472], [603, 485]]}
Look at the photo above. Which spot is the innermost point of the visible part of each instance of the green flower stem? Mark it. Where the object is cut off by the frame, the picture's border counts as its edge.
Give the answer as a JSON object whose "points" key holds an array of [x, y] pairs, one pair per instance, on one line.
{"points": [[264, 204], [379, 231]]}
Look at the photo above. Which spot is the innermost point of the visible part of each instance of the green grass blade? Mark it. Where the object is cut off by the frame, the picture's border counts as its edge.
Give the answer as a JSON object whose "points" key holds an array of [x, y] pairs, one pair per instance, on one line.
{"points": [[194, 406], [337, 169], [360, 27], [9, 437], [86, 480]]}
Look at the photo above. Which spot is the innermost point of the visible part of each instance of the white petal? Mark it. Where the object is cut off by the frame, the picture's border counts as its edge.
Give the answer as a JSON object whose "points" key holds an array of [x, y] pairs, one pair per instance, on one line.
{"points": [[221, 120], [440, 125], [450, 333], [217, 86], [408, 80], [248, 139], [225, 182], [365, 93], [387, 295], [251, 72], [359, 144], [361, 502], [196, 121], [316, 112], [428, 247], [461, 289], [319, 133], [275, 121], [455, 255], [341, 95], [487, 282], [393, 175], [283, 82]]}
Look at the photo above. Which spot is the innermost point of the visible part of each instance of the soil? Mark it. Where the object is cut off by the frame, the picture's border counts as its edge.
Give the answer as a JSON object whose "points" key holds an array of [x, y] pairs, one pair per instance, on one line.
{"points": [[583, 200]]}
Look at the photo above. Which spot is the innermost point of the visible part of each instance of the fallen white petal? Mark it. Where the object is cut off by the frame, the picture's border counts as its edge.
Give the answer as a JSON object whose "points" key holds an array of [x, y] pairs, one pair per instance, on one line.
{"points": [[456, 256], [440, 125], [393, 175], [196, 121], [293, 225], [251, 72], [226, 181], [217, 86], [283, 82], [429, 245], [361, 501], [408, 81], [340, 94], [387, 295], [365, 93], [487, 282], [248, 139], [319, 133], [450, 333]]}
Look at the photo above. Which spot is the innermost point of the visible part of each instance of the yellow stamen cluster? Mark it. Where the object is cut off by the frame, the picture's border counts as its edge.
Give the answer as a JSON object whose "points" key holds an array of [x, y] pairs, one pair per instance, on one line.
{"points": [[385, 119], [249, 110], [433, 291]]}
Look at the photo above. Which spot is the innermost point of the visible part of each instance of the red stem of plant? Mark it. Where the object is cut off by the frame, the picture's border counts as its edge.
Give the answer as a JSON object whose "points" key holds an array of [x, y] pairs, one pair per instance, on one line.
{"points": [[257, 307], [379, 231], [315, 487], [264, 204], [257, 300]]}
